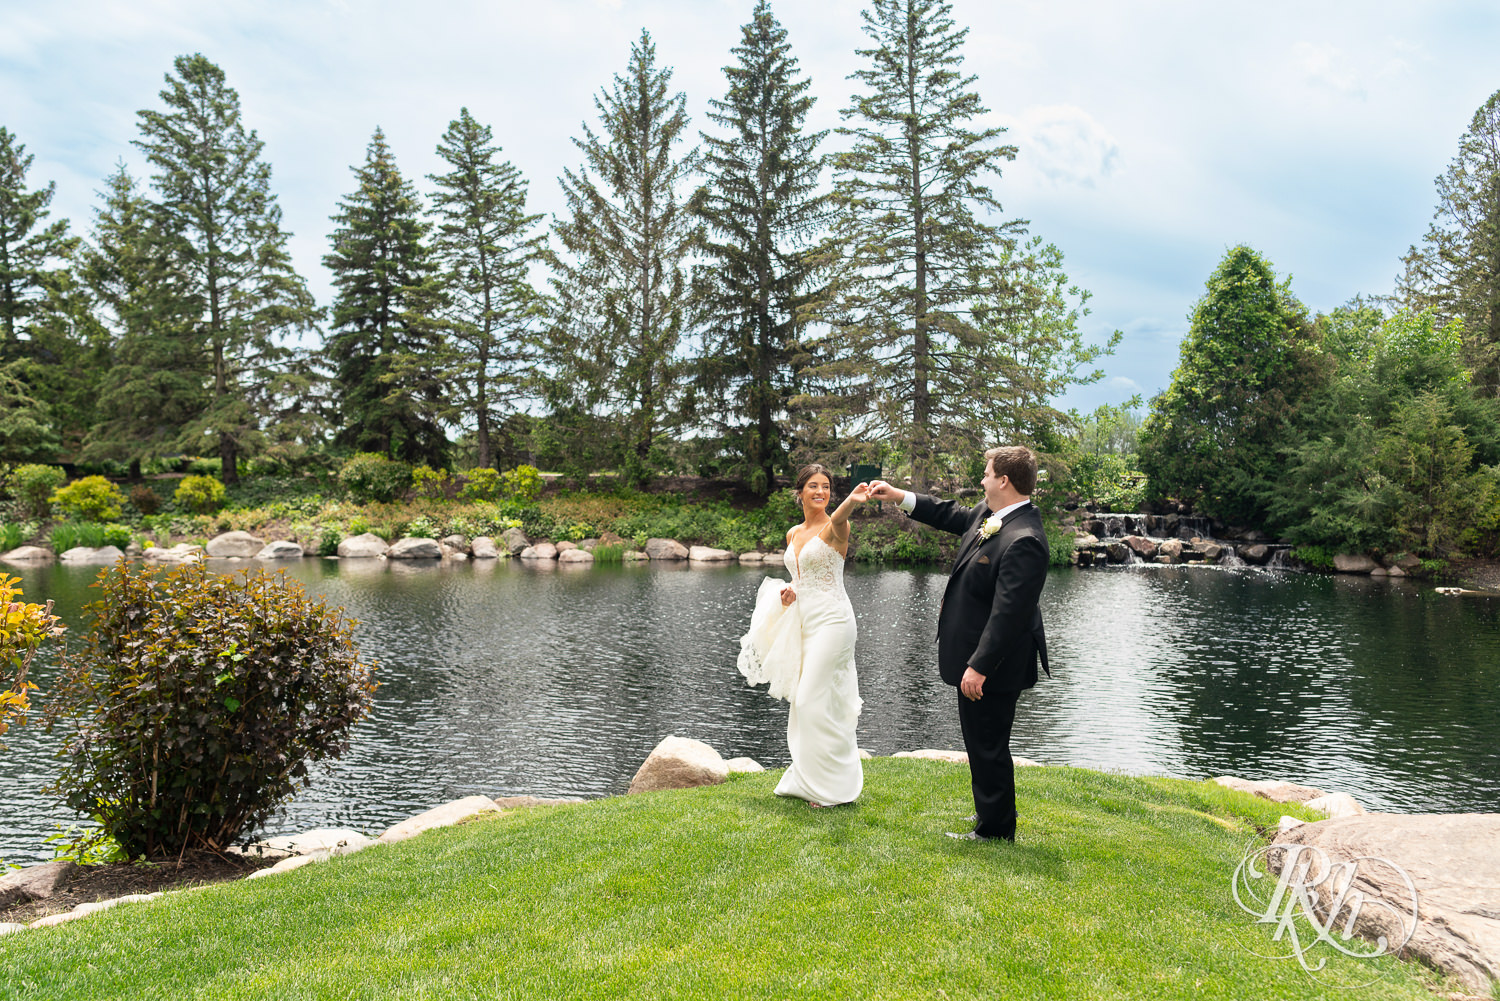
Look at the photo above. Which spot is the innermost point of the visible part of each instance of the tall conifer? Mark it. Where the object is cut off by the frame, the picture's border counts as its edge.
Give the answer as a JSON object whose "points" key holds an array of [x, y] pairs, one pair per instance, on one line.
{"points": [[763, 210]]}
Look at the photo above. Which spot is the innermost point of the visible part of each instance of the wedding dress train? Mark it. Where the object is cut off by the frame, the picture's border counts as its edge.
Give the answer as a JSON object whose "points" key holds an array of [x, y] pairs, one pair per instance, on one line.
{"points": [[805, 652]]}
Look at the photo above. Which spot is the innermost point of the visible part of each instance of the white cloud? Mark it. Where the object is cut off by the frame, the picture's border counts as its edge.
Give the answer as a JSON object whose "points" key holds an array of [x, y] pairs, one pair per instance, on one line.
{"points": [[1066, 145], [1327, 66]]}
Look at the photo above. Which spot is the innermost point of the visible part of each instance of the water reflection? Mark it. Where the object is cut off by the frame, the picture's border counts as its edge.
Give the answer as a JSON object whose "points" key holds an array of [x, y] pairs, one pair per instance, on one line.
{"points": [[517, 678]]}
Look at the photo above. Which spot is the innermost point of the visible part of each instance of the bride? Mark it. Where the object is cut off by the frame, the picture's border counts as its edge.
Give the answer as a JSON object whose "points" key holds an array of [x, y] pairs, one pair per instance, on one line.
{"points": [[801, 642]]}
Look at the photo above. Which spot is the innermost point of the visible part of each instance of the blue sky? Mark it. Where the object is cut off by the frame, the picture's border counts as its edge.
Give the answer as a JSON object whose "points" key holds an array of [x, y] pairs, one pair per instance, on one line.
{"points": [[1153, 135]]}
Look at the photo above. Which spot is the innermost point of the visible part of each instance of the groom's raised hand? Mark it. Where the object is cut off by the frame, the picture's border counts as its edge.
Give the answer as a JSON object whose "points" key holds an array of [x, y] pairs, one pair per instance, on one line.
{"points": [[882, 491]]}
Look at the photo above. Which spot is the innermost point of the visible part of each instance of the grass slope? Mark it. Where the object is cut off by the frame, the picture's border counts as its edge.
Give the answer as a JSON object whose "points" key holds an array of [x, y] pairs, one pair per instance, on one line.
{"points": [[1119, 887]]}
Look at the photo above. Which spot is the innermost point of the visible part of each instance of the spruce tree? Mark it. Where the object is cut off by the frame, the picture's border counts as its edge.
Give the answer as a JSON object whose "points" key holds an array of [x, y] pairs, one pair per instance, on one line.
{"points": [[621, 286], [386, 349], [484, 245], [216, 192], [763, 209], [913, 231]]}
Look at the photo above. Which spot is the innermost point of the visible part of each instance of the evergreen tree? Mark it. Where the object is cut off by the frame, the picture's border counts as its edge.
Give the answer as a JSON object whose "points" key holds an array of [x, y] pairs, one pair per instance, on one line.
{"points": [[1248, 365], [485, 248], [762, 206], [913, 193], [385, 353], [227, 237], [621, 289], [1456, 272], [157, 381]]}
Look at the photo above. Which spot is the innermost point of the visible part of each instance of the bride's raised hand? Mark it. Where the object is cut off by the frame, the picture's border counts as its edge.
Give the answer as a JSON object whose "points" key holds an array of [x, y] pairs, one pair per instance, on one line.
{"points": [[861, 493]]}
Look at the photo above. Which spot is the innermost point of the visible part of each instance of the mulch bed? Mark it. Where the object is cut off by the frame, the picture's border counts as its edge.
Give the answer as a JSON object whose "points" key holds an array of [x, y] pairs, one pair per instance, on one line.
{"points": [[103, 882], [1478, 574]]}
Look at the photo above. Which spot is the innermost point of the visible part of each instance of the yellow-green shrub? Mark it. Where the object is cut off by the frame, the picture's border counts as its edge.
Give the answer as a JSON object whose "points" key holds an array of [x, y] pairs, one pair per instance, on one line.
{"points": [[199, 494], [92, 498]]}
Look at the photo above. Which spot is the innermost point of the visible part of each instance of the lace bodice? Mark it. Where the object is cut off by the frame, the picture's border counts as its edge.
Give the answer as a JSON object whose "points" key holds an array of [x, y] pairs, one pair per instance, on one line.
{"points": [[821, 569]]}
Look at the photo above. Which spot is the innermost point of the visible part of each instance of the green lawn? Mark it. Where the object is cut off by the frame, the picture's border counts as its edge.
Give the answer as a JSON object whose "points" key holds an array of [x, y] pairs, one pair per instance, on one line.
{"points": [[1119, 887]]}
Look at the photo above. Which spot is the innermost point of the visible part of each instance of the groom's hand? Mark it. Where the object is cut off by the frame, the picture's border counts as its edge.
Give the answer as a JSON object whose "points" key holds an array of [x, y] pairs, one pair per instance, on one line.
{"points": [[882, 491], [972, 684]]}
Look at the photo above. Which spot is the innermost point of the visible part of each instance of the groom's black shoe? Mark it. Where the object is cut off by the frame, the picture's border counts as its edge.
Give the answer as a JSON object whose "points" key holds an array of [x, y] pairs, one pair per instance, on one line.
{"points": [[974, 836]]}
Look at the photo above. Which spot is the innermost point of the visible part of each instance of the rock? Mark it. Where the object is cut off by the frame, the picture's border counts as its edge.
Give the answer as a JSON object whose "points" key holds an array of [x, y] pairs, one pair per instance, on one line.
{"points": [[581, 557], [1116, 551], [95, 906], [456, 542], [1380, 571], [525, 802], [1396, 572], [442, 816], [633, 556], [10, 928], [1452, 863], [1336, 804], [1141, 546], [1171, 549], [1212, 551], [865, 755], [1025, 762], [27, 554], [183, 552], [588, 545], [57, 919], [33, 883], [564, 546], [1094, 527], [86, 554], [1276, 792], [932, 754], [415, 549], [1353, 563], [665, 549], [449, 553], [241, 544], [540, 551], [483, 548], [1407, 562], [706, 554], [332, 840], [1287, 823], [679, 763], [608, 538], [752, 557], [737, 765], [1167, 560], [1086, 539], [1257, 554], [515, 540], [290, 863], [363, 547], [280, 549]]}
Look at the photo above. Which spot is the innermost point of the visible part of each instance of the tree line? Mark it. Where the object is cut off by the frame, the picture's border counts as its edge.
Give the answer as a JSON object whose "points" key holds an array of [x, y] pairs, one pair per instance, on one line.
{"points": [[731, 301]]}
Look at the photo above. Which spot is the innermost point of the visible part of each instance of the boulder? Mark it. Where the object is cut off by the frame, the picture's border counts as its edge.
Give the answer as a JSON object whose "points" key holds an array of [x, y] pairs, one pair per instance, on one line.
{"points": [[633, 556], [455, 542], [514, 541], [1256, 554], [588, 545], [1086, 539], [705, 554], [363, 547], [608, 538], [679, 763], [442, 816], [87, 554], [241, 544], [280, 549], [34, 883], [1116, 551], [1396, 572], [738, 765], [483, 548], [1094, 526], [565, 545], [1212, 551], [10, 928], [665, 549], [1380, 571], [415, 549], [332, 840], [752, 557], [540, 551], [1141, 546], [290, 863], [95, 906], [1171, 549], [449, 553], [1353, 563], [1336, 804], [525, 802], [1025, 762], [183, 552], [864, 755], [27, 554], [578, 557], [1276, 792], [58, 919], [932, 754], [1407, 562], [1452, 864]]}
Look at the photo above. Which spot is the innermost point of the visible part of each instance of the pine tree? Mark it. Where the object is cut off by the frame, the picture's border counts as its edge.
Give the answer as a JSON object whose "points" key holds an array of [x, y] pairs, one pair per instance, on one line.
{"points": [[157, 382], [216, 192], [762, 206], [484, 246], [621, 290], [912, 231], [1456, 272], [386, 352]]}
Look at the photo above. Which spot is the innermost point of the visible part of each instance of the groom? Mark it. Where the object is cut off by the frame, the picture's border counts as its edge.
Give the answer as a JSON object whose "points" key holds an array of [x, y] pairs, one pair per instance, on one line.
{"points": [[989, 626]]}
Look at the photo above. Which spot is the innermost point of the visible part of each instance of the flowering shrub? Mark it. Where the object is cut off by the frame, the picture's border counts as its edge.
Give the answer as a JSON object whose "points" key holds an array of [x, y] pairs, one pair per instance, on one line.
{"points": [[23, 628]]}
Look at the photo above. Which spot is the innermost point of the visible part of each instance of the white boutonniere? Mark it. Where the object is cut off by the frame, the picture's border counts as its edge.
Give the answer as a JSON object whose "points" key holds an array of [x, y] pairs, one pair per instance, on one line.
{"points": [[991, 526]]}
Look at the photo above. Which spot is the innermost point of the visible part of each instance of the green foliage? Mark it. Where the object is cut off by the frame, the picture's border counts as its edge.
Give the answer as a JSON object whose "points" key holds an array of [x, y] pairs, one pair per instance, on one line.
{"points": [[609, 553], [12, 534], [370, 476], [24, 627], [392, 530], [1102, 463], [199, 494], [329, 538], [524, 483], [1059, 546], [1317, 557], [481, 484], [85, 846], [144, 499], [92, 498], [34, 484], [198, 702], [204, 467], [69, 534], [422, 527], [429, 482]]}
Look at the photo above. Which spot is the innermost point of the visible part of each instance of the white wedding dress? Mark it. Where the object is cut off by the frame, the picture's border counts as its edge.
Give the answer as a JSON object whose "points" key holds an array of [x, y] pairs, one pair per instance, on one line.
{"points": [[805, 652]]}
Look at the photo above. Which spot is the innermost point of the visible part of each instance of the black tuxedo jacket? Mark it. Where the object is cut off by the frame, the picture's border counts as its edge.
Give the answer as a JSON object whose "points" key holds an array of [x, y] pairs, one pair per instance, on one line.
{"points": [[990, 619]]}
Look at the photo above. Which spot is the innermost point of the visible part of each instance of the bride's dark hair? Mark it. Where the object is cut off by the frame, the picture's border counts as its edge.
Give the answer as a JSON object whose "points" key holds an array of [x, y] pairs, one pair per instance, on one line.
{"points": [[809, 471]]}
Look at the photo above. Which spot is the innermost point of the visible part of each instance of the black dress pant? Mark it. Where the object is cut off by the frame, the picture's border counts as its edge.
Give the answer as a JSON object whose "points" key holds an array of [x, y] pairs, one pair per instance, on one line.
{"points": [[986, 727]]}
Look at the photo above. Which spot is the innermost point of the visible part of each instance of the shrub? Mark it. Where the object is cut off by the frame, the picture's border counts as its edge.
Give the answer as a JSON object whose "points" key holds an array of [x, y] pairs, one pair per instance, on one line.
{"points": [[146, 500], [429, 482], [117, 536], [12, 534], [26, 627], [609, 553], [1317, 557], [329, 539], [199, 494], [524, 483], [422, 527], [370, 476], [481, 484], [359, 525], [198, 702], [92, 498], [34, 485], [204, 467]]}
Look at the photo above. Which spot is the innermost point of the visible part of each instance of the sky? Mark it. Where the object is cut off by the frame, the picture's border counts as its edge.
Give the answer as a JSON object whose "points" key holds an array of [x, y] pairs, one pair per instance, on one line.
{"points": [[1153, 135]]}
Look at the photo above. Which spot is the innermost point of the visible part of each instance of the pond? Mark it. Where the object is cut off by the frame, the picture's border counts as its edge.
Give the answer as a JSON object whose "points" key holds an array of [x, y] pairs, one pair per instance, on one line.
{"points": [[510, 678]]}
